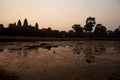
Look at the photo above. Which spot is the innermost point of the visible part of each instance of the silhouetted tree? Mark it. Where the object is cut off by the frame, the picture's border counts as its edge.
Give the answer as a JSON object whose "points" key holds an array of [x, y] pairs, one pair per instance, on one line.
{"points": [[77, 28], [100, 30], [117, 32], [71, 33], [25, 24], [109, 33], [90, 23], [62, 33], [55, 33], [49, 29], [19, 24]]}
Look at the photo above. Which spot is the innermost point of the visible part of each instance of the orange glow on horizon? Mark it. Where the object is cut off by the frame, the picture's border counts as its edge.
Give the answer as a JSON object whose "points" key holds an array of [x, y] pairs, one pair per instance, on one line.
{"points": [[60, 14]]}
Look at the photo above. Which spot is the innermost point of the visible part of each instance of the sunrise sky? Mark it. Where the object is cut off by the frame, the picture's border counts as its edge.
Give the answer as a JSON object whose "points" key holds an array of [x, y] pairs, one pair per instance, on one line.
{"points": [[60, 14]]}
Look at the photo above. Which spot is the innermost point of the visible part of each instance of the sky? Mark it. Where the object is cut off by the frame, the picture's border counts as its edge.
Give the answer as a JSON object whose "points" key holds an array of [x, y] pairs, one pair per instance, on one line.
{"points": [[60, 14]]}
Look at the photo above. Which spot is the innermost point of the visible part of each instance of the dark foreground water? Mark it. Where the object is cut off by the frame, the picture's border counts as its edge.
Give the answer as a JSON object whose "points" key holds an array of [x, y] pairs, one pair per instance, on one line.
{"points": [[69, 60]]}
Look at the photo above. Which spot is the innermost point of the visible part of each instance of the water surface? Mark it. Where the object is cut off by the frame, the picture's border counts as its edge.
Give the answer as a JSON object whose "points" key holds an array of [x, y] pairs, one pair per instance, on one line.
{"points": [[68, 60]]}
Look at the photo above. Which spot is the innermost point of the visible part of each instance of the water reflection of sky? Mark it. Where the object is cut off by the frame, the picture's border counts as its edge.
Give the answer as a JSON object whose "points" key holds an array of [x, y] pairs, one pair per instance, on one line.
{"points": [[60, 58]]}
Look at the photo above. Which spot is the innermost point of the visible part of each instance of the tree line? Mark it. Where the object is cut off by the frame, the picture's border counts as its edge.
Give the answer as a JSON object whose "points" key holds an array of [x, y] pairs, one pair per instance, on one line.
{"points": [[100, 31]]}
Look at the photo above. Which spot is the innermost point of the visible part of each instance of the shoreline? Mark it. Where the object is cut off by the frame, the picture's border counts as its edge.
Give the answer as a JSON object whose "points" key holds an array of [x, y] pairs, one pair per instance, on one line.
{"points": [[30, 38]]}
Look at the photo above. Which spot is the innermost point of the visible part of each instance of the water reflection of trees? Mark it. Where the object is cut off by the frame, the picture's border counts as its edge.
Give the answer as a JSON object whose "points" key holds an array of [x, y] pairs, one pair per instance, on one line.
{"points": [[90, 50], [116, 46], [78, 48], [1, 49], [89, 56], [5, 75], [99, 48]]}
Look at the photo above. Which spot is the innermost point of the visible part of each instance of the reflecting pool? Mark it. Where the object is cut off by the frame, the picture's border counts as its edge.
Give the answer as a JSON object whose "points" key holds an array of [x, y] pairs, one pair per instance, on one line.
{"points": [[63, 60]]}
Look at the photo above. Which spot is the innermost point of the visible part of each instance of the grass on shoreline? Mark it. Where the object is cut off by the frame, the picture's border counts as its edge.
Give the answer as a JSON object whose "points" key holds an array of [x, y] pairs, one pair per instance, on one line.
{"points": [[26, 38]]}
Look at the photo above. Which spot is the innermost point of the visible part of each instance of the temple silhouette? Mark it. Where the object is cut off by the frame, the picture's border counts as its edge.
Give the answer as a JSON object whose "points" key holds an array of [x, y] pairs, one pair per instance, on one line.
{"points": [[100, 31]]}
